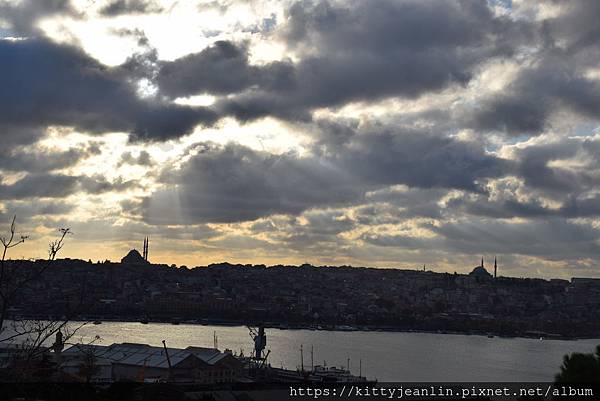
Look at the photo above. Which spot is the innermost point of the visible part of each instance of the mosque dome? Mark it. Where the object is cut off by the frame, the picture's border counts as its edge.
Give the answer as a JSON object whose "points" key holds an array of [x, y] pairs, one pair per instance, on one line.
{"points": [[480, 271], [134, 258]]}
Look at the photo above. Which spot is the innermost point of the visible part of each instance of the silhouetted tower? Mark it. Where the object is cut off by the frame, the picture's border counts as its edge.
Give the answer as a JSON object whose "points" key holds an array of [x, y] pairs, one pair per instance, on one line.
{"points": [[482, 263], [495, 267], [145, 251]]}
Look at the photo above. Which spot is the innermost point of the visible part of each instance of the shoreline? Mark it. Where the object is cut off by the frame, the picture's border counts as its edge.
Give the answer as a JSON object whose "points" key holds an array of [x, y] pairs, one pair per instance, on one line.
{"points": [[321, 327]]}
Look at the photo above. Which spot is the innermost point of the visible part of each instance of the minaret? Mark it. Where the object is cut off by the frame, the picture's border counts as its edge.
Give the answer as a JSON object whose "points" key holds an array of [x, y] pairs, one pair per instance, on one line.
{"points": [[495, 268], [145, 251]]}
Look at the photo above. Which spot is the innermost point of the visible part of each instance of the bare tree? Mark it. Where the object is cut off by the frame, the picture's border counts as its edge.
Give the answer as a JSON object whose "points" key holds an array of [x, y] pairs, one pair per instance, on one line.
{"points": [[29, 336]]}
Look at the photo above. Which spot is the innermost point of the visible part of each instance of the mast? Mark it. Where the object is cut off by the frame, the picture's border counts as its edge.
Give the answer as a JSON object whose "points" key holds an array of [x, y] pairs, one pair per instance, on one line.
{"points": [[301, 358], [167, 354]]}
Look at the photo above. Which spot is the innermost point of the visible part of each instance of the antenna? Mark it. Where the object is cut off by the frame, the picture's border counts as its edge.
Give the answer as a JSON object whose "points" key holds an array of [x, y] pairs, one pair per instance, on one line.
{"points": [[312, 361], [360, 367]]}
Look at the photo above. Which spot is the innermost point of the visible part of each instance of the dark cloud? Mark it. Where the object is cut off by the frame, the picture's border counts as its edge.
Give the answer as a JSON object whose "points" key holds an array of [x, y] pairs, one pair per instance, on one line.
{"points": [[571, 206], [98, 184], [23, 16], [43, 160], [535, 165], [418, 159], [234, 183], [554, 177], [47, 185], [220, 69], [120, 7], [551, 239], [49, 84], [401, 204], [349, 53], [527, 104], [325, 223], [40, 185], [317, 232], [576, 28], [15, 135], [581, 206], [500, 209], [554, 76], [26, 210]]}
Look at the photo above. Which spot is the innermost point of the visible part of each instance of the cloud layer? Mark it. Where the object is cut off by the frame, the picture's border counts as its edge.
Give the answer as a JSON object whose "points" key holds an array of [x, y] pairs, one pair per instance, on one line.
{"points": [[334, 131]]}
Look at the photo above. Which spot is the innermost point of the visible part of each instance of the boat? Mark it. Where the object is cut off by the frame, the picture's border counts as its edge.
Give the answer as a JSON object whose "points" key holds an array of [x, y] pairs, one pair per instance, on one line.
{"points": [[97, 322], [344, 327], [332, 374]]}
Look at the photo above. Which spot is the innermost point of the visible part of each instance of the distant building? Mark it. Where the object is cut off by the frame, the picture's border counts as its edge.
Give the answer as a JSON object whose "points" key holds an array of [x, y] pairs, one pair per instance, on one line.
{"points": [[584, 281], [144, 363], [480, 272], [134, 258]]}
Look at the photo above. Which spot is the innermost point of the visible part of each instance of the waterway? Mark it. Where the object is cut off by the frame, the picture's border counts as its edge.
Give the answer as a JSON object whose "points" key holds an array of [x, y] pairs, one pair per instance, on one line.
{"points": [[385, 356]]}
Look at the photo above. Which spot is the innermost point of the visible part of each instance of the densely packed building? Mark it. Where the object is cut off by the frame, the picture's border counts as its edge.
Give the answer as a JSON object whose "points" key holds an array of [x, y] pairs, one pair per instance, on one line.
{"points": [[312, 297]]}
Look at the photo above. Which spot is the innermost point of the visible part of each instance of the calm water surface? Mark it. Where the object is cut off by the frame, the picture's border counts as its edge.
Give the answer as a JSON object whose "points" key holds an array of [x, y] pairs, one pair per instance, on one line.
{"points": [[386, 356]]}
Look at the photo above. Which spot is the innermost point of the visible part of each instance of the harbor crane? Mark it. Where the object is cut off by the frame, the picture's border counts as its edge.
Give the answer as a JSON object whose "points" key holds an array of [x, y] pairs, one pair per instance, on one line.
{"points": [[259, 337]]}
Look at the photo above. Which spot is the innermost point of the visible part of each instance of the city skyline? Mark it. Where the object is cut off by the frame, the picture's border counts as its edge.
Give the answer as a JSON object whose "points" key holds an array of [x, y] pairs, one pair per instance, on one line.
{"points": [[290, 132]]}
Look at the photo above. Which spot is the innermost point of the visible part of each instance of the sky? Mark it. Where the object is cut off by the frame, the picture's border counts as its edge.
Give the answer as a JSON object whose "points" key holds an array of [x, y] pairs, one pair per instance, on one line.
{"points": [[396, 133]]}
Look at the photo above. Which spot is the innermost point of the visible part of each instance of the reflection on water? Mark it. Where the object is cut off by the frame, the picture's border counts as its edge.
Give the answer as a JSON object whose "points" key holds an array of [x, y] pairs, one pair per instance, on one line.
{"points": [[385, 356]]}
